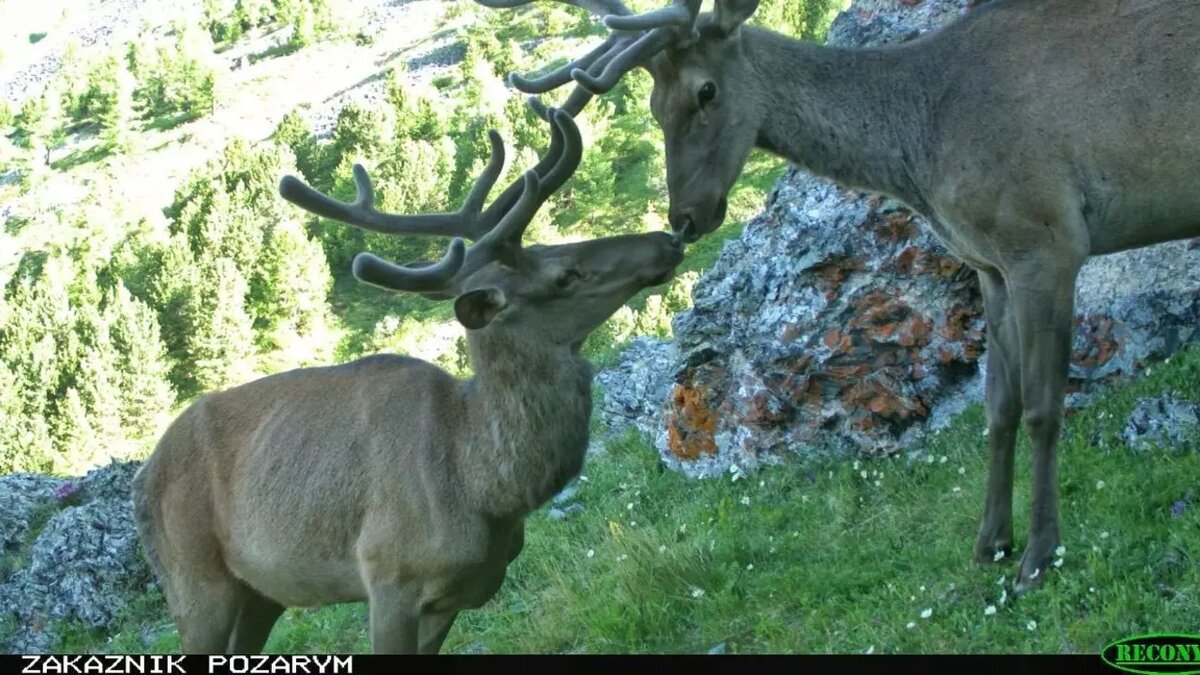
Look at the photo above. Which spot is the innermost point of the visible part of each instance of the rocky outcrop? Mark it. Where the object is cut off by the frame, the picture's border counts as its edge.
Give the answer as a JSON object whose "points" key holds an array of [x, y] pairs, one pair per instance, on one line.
{"points": [[837, 323], [71, 555]]}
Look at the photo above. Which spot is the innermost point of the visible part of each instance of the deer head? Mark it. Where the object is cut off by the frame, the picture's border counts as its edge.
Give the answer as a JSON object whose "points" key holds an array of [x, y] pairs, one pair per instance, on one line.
{"points": [[557, 293], [705, 98]]}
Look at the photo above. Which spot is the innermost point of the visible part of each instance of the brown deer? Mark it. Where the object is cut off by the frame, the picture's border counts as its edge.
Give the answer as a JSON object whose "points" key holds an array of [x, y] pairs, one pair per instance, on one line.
{"points": [[386, 479], [1031, 134]]}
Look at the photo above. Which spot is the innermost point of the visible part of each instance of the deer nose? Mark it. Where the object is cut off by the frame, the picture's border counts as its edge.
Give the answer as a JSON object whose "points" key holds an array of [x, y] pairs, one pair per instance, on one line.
{"points": [[684, 227]]}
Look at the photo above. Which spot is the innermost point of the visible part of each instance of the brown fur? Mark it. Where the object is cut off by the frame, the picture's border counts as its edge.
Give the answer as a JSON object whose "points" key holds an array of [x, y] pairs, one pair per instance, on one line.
{"points": [[386, 479]]}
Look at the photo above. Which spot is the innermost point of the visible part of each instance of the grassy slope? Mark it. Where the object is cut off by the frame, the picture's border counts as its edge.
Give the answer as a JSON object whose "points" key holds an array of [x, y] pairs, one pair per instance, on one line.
{"points": [[822, 559]]}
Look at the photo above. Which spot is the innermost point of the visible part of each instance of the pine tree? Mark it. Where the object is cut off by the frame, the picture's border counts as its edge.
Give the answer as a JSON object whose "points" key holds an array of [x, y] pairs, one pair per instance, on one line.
{"points": [[220, 341], [74, 437], [146, 396]]}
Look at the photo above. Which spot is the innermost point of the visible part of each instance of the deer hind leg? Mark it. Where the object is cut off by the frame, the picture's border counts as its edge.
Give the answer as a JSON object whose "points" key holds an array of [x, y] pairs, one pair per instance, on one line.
{"points": [[204, 608], [1002, 392], [255, 619], [1043, 304]]}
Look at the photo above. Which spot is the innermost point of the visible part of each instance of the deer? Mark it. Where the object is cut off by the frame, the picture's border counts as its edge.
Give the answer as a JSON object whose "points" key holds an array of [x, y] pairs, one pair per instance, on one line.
{"points": [[386, 479], [1031, 135]]}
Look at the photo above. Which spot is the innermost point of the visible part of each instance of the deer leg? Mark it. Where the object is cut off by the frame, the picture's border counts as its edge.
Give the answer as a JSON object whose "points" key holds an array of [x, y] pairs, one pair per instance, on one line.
{"points": [[255, 620], [1043, 303], [433, 630], [1002, 393], [395, 619], [205, 611]]}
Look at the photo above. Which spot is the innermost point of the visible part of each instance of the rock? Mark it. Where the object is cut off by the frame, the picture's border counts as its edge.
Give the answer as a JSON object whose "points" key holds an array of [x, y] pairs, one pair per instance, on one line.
{"points": [[1162, 421], [83, 566], [634, 388], [22, 494]]}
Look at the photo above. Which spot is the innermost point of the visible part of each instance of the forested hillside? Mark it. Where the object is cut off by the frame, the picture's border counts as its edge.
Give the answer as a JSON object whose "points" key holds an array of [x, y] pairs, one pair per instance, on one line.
{"points": [[146, 257]]}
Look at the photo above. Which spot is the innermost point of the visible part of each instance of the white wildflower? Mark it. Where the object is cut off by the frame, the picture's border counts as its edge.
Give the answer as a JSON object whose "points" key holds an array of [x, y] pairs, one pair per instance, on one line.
{"points": [[622, 558], [1058, 562], [856, 465], [956, 489], [1032, 625], [591, 552], [749, 567], [942, 459], [633, 523], [864, 474], [662, 549], [1060, 551], [697, 592], [989, 610], [762, 483], [878, 484], [998, 556], [746, 500], [1003, 596], [962, 470], [1099, 485], [629, 506], [911, 624], [871, 649], [922, 589], [928, 612], [1104, 535]]}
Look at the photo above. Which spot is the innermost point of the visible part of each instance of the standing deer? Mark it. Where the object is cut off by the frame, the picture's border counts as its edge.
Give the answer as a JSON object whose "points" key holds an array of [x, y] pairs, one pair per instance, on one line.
{"points": [[386, 479], [1031, 134]]}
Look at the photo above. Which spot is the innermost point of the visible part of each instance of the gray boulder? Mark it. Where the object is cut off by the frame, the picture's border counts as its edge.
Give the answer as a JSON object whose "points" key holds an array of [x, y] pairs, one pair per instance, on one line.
{"points": [[84, 564]]}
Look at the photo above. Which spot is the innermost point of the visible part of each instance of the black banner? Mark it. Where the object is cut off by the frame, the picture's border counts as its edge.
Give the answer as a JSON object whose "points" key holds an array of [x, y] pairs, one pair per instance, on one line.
{"points": [[342, 664]]}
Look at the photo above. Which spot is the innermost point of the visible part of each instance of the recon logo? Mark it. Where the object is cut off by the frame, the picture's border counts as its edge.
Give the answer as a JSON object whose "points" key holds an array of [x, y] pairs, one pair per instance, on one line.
{"points": [[1155, 654]]}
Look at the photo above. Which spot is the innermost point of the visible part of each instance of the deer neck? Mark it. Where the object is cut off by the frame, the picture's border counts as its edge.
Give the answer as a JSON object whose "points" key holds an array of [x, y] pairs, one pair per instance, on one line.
{"points": [[851, 116], [529, 407]]}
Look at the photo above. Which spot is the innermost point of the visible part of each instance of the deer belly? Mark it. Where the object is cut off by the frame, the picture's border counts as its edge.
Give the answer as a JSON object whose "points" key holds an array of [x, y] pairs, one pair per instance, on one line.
{"points": [[295, 578]]}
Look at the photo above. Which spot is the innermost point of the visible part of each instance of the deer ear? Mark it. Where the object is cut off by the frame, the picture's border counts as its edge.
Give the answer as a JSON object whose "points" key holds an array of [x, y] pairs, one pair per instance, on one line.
{"points": [[730, 14], [476, 309]]}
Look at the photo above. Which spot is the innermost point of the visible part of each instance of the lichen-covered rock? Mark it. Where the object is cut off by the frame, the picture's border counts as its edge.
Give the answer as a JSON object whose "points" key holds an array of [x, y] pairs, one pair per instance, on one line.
{"points": [[84, 565], [1165, 422], [21, 495], [834, 324], [837, 323], [634, 388]]}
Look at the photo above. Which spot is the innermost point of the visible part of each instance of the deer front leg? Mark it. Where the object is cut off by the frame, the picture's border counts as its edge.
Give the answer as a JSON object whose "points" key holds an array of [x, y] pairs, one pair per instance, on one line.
{"points": [[433, 631], [1042, 297], [395, 619], [1002, 393]]}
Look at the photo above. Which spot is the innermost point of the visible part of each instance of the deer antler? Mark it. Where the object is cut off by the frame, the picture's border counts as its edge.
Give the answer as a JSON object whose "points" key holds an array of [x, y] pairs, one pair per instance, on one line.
{"points": [[496, 231], [636, 38]]}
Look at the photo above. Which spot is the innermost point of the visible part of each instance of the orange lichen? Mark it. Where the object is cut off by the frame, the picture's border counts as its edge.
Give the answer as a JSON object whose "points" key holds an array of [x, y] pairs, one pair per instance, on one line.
{"points": [[691, 427]]}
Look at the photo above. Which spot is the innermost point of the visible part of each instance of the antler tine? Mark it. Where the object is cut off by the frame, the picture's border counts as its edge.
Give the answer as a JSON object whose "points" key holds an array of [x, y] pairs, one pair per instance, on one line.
{"points": [[560, 76], [466, 222], [517, 210], [571, 154], [682, 13], [626, 60], [370, 269], [636, 39]]}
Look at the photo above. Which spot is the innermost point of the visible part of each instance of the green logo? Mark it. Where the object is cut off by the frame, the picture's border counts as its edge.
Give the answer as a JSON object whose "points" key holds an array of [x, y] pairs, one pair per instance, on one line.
{"points": [[1155, 654]]}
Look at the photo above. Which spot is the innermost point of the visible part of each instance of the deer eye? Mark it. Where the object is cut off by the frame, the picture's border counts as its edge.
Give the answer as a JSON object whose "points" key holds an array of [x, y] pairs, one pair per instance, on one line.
{"points": [[708, 91], [567, 277]]}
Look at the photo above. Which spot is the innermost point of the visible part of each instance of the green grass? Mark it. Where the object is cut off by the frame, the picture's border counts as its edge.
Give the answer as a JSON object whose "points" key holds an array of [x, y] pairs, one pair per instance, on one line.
{"points": [[820, 559]]}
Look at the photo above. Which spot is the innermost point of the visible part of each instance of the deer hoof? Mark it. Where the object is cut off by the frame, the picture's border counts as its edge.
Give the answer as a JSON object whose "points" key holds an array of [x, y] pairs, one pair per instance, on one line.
{"points": [[993, 553], [1032, 572]]}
